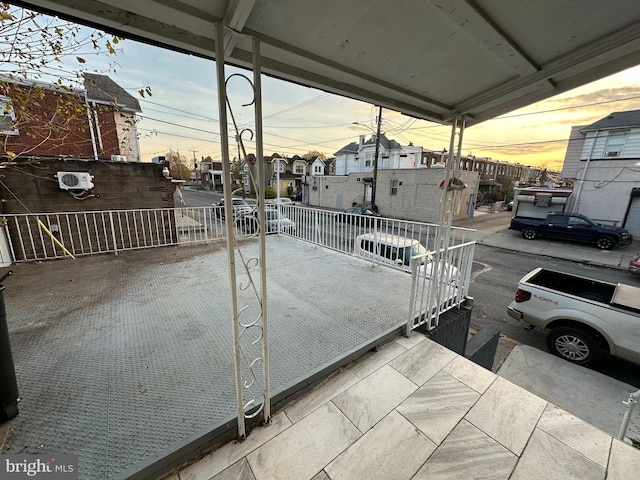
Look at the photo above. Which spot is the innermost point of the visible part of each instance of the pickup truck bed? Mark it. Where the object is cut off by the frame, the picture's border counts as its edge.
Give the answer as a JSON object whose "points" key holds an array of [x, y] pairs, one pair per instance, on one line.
{"points": [[585, 317], [578, 286], [620, 295]]}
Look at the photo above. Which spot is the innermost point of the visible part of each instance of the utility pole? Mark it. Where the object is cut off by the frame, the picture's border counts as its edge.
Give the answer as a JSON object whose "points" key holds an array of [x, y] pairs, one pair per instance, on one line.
{"points": [[195, 167], [375, 163]]}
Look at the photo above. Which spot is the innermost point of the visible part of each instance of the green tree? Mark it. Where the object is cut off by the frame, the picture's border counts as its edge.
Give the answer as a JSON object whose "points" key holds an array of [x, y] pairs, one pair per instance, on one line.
{"points": [[270, 193]]}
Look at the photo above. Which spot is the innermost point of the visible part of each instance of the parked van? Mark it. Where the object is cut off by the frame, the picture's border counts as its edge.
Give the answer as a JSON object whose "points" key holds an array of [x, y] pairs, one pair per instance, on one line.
{"points": [[390, 249], [397, 251]]}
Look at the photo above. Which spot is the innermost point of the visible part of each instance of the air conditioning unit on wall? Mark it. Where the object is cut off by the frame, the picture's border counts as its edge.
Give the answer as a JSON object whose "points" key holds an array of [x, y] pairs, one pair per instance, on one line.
{"points": [[75, 180]]}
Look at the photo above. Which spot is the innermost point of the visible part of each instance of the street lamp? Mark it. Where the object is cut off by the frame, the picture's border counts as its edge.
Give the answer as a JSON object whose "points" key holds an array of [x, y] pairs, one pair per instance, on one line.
{"points": [[375, 159]]}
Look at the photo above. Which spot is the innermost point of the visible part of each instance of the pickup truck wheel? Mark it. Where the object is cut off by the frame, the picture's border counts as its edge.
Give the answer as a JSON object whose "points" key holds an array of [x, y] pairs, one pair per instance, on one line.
{"points": [[605, 243], [575, 345], [530, 233]]}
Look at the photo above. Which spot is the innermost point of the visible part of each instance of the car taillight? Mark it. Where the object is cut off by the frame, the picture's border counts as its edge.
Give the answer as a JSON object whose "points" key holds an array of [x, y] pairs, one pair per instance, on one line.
{"points": [[522, 296]]}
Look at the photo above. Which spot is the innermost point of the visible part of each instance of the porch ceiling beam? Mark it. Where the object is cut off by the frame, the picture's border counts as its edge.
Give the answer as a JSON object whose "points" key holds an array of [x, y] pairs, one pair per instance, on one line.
{"points": [[235, 17], [477, 24], [624, 38], [331, 85]]}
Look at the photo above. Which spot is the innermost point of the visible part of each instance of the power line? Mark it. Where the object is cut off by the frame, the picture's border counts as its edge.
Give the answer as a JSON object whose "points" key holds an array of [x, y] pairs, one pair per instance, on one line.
{"points": [[394, 127], [567, 108], [179, 110], [307, 102]]}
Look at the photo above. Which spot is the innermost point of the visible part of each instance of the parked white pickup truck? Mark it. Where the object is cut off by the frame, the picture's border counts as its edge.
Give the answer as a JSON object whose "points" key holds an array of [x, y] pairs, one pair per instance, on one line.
{"points": [[585, 317]]}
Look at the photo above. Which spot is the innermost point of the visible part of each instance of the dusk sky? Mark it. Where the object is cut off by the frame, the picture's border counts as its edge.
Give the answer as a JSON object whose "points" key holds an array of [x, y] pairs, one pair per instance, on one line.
{"points": [[182, 113]]}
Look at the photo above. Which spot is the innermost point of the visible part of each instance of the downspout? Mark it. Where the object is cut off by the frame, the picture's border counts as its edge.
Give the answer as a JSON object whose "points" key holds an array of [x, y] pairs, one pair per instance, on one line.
{"points": [[93, 138], [97, 124], [574, 209]]}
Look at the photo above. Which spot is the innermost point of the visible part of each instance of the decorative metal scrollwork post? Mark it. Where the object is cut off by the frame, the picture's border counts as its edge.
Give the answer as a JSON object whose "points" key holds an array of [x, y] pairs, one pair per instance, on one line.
{"points": [[250, 334], [445, 217]]}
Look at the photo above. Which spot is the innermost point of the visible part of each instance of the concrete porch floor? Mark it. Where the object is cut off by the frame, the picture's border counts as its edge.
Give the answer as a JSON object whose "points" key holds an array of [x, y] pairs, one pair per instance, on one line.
{"points": [[124, 359]]}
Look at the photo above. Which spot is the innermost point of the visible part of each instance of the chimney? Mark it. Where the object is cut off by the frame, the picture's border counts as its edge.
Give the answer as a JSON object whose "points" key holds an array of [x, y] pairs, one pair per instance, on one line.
{"points": [[362, 139]]}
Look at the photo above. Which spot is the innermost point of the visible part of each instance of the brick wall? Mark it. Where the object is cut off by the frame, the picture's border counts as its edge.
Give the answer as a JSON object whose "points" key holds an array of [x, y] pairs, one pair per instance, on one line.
{"points": [[120, 185], [51, 123], [33, 188]]}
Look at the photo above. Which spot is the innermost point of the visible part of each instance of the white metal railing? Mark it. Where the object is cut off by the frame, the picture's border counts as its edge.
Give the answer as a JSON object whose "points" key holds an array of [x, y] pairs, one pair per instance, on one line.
{"points": [[112, 231], [454, 270], [44, 236], [428, 299]]}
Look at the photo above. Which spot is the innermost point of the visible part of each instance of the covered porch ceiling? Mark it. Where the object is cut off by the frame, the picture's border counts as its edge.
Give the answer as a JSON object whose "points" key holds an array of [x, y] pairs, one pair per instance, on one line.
{"points": [[431, 59]]}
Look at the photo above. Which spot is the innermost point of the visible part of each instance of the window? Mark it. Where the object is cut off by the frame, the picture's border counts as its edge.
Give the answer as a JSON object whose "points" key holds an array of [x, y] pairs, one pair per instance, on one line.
{"points": [[394, 187], [278, 167], [578, 222], [299, 169], [317, 169], [615, 143], [7, 117], [367, 245], [368, 159]]}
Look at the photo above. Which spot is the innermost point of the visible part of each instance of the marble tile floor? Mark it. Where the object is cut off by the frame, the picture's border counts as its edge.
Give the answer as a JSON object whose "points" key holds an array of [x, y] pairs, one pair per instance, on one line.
{"points": [[415, 410]]}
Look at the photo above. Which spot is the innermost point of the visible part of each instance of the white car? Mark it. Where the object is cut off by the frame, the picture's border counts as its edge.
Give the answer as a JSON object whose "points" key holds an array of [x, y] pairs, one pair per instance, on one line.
{"points": [[281, 201], [398, 251], [240, 206], [276, 222]]}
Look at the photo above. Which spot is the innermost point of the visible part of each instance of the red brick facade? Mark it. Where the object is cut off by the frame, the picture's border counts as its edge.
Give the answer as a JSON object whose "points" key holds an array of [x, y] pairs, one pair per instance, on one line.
{"points": [[31, 188], [55, 124]]}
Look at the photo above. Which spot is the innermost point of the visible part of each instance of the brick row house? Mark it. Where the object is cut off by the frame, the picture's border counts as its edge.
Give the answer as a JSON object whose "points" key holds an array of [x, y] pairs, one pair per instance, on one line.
{"points": [[45, 120], [51, 135]]}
